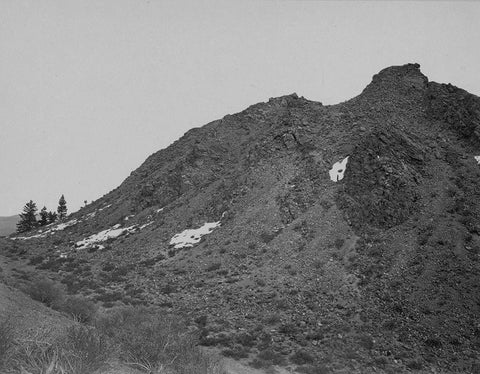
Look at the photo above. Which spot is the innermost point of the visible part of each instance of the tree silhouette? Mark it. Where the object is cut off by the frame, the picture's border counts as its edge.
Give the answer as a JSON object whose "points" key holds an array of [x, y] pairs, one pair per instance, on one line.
{"points": [[62, 208], [43, 217], [52, 217], [28, 221]]}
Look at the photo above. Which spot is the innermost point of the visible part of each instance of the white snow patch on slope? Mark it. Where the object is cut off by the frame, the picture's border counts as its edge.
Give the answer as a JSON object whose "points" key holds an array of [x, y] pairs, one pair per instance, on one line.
{"points": [[63, 226], [338, 170], [190, 237], [111, 233], [60, 227], [91, 215], [158, 210], [477, 158], [145, 225]]}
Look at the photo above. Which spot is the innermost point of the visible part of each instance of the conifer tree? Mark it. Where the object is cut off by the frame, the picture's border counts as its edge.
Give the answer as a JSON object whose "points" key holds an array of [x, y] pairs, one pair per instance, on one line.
{"points": [[52, 217], [62, 208], [27, 219], [43, 217]]}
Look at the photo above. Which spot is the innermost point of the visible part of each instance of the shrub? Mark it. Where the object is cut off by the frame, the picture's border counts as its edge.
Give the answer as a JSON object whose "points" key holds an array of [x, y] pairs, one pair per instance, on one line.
{"points": [[201, 320], [366, 341], [45, 291], [168, 288], [414, 365], [91, 346], [288, 329], [245, 339], [214, 266], [108, 266], [272, 319], [109, 297], [35, 260], [302, 357], [236, 352], [156, 342], [339, 243], [79, 350], [80, 308], [75, 283], [267, 237], [268, 357]]}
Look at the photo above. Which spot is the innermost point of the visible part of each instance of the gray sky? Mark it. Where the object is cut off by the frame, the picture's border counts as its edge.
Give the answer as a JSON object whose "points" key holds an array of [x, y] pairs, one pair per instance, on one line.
{"points": [[89, 89]]}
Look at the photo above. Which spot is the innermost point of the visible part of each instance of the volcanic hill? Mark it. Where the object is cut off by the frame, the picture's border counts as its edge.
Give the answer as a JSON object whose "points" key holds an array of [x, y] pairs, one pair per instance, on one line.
{"points": [[342, 238]]}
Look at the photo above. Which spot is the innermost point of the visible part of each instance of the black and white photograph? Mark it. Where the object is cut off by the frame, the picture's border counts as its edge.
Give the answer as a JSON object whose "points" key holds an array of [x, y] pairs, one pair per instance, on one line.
{"points": [[239, 187]]}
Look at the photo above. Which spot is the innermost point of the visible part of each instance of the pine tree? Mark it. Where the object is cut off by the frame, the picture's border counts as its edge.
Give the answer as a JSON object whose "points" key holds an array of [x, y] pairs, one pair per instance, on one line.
{"points": [[62, 208], [52, 217], [43, 217], [27, 219]]}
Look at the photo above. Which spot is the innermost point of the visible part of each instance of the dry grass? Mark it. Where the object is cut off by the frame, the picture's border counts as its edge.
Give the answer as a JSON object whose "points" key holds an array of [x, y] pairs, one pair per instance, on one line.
{"points": [[79, 350], [6, 341], [156, 343], [140, 337]]}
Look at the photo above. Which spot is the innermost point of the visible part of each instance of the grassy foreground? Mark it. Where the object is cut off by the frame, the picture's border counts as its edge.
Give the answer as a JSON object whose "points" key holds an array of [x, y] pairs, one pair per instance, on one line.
{"points": [[137, 337]]}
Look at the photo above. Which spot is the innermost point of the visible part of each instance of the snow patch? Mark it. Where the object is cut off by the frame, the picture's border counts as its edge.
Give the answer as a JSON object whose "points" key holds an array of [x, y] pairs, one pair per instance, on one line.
{"points": [[60, 227], [63, 226], [111, 233], [190, 237], [158, 210], [145, 225], [338, 170], [91, 215]]}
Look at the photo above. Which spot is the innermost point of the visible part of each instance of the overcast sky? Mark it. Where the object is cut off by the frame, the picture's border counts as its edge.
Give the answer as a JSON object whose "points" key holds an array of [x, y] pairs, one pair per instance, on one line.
{"points": [[89, 89]]}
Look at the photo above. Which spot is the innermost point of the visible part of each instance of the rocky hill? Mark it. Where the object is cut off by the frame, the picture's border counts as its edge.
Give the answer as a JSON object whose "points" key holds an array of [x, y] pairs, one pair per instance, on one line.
{"points": [[341, 238]]}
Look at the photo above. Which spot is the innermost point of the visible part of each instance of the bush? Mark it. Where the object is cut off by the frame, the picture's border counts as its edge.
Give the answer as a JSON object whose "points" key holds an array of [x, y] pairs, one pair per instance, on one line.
{"points": [[267, 237], [302, 357], [35, 260], [245, 339], [89, 345], [414, 364], [272, 319], [266, 358], [109, 297], [339, 243], [154, 342], [79, 350], [80, 308], [236, 352], [213, 266], [45, 291], [288, 328]]}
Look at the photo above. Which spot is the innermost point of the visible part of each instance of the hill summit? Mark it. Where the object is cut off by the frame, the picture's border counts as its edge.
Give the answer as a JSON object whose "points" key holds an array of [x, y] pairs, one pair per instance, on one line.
{"points": [[339, 238]]}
